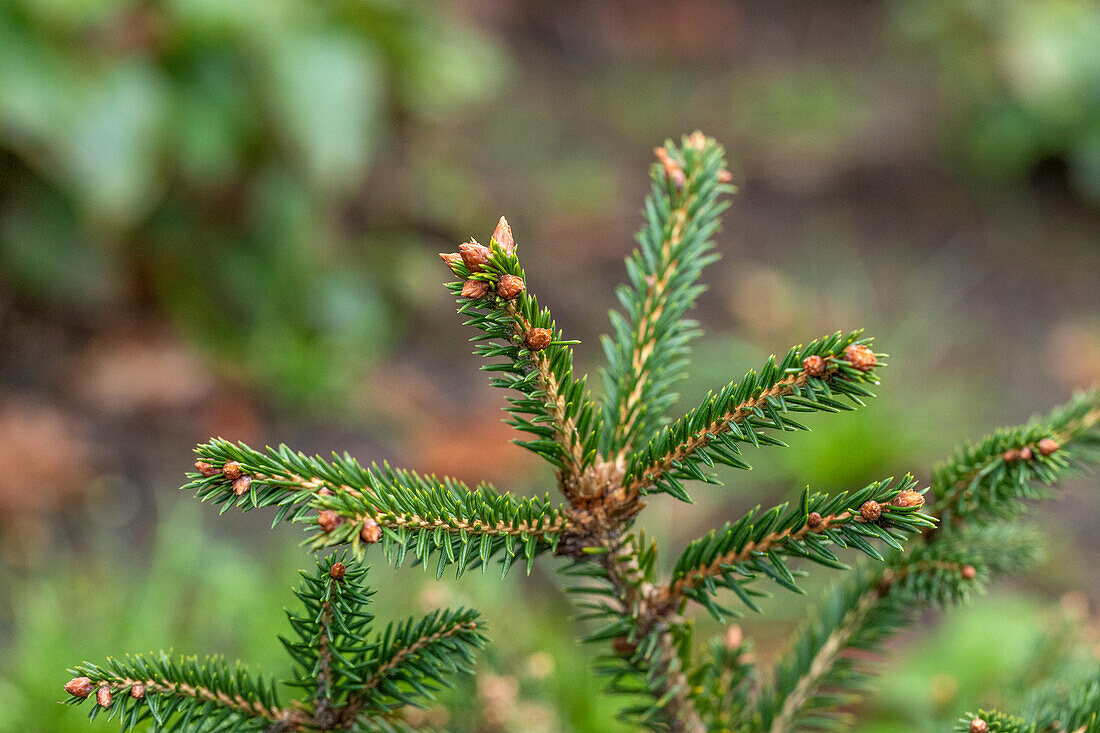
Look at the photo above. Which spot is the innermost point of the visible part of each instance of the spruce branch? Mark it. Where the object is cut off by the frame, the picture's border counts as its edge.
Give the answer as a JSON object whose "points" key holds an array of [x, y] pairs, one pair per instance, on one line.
{"points": [[178, 694], [725, 681], [818, 677], [757, 543], [537, 362], [414, 659], [348, 680], [993, 477], [944, 567], [400, 509], [648, 351], [810, 379], [331, 629]]}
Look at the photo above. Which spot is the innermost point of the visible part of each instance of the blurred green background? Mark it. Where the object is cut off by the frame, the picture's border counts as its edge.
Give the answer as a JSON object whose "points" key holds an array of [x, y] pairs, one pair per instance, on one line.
{"points": [[220, 217]]}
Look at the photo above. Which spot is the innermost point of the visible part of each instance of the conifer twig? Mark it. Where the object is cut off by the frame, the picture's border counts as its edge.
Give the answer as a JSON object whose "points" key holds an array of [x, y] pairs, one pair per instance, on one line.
{"points": [[647, 355]]}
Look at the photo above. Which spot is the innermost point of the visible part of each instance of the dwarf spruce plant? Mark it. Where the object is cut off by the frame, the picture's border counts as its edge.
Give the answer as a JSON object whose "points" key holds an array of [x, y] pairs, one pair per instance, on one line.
{"points": [[614, 454]]}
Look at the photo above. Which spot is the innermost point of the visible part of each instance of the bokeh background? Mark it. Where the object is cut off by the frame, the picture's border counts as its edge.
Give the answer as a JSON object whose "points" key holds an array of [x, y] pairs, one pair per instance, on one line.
{"points": [[221, 217]]}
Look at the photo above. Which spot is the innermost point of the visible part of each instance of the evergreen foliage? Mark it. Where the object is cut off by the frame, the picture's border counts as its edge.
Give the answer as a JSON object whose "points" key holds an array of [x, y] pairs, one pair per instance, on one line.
{"points": [[349, 677], [920, 548]]}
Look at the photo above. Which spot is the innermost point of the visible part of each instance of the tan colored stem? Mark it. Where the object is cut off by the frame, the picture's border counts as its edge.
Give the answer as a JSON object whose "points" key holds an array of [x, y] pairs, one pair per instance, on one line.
{"points": [[769, 542], [456, 525], [784, 387]]}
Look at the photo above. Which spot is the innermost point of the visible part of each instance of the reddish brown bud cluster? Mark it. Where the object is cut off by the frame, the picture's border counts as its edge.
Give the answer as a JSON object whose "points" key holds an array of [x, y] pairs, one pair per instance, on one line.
{"points": [[337, 571], [242, 485], [371, 532], [977, 725], [537, 339], [870, 511], [103, 697], [814, 366], [908, 498], [475, 289], [325, 491], [814, 520], [673, 171], [205, 469], [137, 691], [510, 286], [474, 255], [502, 235], [1046, 447], [231, 470], [328, 520], [79, 687], [969, 572], [860, 357]]}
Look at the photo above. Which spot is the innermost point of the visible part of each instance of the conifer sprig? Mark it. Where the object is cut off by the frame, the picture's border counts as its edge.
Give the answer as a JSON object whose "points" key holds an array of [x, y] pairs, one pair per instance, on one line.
{"points": [[828, 375], [415, 658], [647, 351], [537, 361], [818, 678], [407, 512], [978, 486], [361, 506], [349, 680], [993, 477], [1077, 712], [757, 543], [725, 681], [178, 694]]}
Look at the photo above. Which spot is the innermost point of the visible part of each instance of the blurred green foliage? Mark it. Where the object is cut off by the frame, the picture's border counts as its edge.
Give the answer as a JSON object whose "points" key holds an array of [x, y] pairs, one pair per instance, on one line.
{"points": [[204, 155], [1020, 81]]}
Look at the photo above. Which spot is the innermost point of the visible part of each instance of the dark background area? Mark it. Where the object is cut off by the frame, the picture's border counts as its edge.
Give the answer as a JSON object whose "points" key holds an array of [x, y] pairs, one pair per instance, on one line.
{"points": [[222, 219]]}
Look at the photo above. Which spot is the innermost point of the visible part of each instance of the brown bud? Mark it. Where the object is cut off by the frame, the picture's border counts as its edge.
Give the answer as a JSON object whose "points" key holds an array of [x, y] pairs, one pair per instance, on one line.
{"points": [[452, 259], [623, 646], [814, 366], [870, 511], [502, 235], [734, 637], [969, 573], [1026, 454], [337, 571], [697, 140], [1011, 455], [673, 171], [977, 725], [537, 339], [724, 176], [908, 498], [231, 470], [205, 469], [474, 255], [475, 289], [510, 286], [860, 357], [814, 520], [325, 491], [79, 687], [1048, 446], [103, 697], [329, 520], [371, 532], [137, 691], [242, 485]]}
